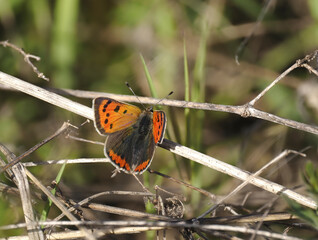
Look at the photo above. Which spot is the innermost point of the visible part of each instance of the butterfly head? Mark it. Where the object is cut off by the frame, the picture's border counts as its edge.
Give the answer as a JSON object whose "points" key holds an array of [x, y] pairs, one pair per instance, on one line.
{"points": [[149, 109]]}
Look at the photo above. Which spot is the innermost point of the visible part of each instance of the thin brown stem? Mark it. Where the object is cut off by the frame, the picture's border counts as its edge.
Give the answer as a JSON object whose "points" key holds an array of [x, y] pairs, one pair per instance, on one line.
{"points": [[31, 150], [27, 58]]}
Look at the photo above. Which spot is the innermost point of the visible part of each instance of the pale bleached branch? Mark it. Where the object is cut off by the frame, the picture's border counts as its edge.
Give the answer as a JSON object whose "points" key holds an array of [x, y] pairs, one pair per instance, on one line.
{"points": [[246, 110], [246, 182], [97, 195], [68, 161], [46, 96], [236, 172]]}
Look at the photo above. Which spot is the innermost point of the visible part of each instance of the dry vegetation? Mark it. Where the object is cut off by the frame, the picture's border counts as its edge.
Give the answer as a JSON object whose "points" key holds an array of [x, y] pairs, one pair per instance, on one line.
{"points": [[240, 159]]}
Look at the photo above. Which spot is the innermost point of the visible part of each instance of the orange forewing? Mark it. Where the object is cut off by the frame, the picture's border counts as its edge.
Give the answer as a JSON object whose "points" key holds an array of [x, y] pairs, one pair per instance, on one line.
{"points": [[159, 126], [112, 116]]}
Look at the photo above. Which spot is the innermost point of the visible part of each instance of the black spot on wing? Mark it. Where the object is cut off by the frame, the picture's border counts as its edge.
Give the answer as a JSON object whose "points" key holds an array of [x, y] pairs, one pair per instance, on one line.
{"points": [[106, 105], [117, 108]]}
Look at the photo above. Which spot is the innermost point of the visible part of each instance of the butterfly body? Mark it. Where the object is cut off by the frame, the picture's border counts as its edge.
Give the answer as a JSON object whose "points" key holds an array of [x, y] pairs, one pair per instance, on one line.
{"points": [[132, 134]]}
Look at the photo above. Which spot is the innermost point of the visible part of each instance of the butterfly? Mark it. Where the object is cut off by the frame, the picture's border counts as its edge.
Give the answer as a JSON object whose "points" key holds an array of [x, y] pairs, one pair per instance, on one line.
{"points": [[132, 134]]}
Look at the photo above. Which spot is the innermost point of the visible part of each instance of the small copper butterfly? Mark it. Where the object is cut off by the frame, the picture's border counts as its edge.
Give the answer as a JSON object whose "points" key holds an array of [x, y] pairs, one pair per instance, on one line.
{"points": [[132, 134]]}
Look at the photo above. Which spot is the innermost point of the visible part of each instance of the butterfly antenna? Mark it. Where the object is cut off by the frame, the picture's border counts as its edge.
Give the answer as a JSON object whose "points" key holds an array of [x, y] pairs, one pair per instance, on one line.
{"points": [[170, 93], [127, 84]]}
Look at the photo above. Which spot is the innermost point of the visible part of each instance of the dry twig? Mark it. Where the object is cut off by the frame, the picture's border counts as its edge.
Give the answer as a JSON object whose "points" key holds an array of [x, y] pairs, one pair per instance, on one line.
{"points": [[20, 179], [121, 227], [27, 58]]}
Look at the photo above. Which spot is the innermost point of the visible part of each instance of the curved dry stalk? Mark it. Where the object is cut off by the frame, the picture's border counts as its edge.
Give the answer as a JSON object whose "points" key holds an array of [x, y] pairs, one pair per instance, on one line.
{"points": [[205, 160]]}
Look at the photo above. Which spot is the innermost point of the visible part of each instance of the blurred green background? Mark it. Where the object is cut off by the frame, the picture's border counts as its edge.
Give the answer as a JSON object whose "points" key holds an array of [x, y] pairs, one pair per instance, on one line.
{"points": [[96, 46]]}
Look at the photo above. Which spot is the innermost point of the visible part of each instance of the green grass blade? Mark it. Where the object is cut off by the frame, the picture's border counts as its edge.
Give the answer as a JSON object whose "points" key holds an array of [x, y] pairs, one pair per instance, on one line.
{"points": [[187, 110], [47, 207], [155, 95], [197, 116], [149, 79], [186, 94], [64, 42]]}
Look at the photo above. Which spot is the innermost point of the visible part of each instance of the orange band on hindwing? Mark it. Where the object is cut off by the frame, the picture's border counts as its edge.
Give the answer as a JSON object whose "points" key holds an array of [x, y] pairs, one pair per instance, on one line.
{"points": [[118, 160], [159, 125]]}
